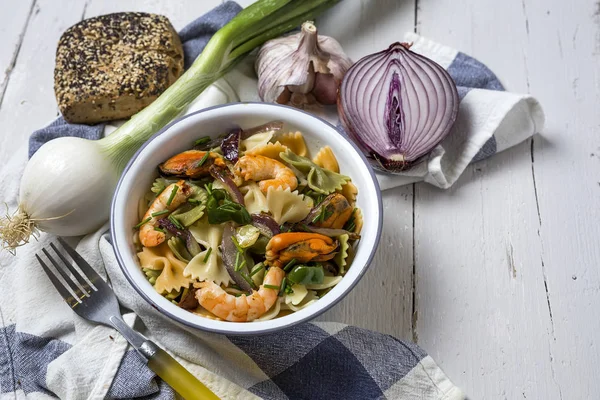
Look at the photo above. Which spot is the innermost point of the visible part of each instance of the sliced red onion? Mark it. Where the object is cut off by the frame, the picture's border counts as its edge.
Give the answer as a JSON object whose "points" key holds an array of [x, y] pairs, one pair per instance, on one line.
{"points": [[222, 175], [397, 106], [231, 145], [269, 126], [265, 224], [229, 253], [190, 243]]}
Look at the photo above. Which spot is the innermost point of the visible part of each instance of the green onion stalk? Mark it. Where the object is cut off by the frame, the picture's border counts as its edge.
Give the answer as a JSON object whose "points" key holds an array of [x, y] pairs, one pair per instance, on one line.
{"points": [[67, 186]]}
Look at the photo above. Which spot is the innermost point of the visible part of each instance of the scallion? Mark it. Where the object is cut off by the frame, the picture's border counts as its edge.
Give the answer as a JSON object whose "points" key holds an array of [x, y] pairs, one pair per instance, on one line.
{"points": [[274, 287], [248, 279], [237, 262], [282, 289], [202, 140], [203, 159], [289, 265], [156, 228], [142, 223], [175, 222], [207, 255], [257, 269], [172, 195], [158, 213]]}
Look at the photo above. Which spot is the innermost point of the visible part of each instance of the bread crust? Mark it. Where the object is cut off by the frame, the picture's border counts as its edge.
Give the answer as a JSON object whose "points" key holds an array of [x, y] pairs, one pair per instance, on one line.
{"points": [[112, 66]]}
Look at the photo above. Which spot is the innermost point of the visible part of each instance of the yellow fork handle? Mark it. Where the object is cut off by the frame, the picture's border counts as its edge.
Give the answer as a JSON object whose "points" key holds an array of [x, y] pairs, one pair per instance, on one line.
{"points": [[177, 376]]}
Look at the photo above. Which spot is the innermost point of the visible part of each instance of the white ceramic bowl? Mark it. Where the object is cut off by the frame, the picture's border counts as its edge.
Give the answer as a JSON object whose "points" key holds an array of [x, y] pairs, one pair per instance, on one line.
{"points": [[178, 136]]}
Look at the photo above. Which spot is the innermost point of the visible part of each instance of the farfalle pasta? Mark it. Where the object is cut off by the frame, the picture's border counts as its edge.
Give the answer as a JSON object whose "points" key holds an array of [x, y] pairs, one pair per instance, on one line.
{"points": [[256, 201], [326, 159], [293, 141], [288, 206], [249, 231], [271, 150]]}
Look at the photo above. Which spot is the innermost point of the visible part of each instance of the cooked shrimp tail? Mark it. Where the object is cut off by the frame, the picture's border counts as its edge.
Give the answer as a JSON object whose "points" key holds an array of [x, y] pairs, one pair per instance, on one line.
{"points": [[169, 199], [245, 307]]}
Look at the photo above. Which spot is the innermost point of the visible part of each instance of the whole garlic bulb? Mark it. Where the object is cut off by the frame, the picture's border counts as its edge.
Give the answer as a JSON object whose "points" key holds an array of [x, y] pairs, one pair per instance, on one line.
{"points": [[301, 69]]}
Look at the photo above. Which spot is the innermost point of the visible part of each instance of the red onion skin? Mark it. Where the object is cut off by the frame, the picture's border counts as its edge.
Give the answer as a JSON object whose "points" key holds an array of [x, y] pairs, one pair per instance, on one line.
{"points": [[228, 252], [269, 126], [184, 234], [221, 175], [231, 145], [392, 150], [267, 225]]}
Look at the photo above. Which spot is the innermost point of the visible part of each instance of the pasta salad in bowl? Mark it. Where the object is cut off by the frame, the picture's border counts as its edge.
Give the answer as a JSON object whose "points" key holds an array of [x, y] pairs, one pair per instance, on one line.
{"points": [[246, 218]]}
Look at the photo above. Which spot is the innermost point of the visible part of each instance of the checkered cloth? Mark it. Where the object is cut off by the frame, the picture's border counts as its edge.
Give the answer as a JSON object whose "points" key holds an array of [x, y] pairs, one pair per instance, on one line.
{"points": [[46, 350]]}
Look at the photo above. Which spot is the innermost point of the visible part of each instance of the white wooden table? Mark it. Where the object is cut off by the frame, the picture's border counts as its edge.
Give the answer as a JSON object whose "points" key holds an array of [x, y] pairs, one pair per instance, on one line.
{"points": [[497, 278]]}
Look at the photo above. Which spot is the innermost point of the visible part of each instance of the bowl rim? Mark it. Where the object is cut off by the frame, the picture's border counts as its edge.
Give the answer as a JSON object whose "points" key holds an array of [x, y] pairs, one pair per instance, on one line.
{"points": [[318, 311]]}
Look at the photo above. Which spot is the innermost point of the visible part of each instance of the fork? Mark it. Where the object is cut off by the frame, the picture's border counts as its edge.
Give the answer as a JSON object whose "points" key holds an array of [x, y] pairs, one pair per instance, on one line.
{"points": [[91, 298]]}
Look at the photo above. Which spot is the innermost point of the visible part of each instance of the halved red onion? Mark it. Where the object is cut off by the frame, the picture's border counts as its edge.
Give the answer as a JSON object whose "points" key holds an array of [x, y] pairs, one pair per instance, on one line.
{"points": [[397, 105]]}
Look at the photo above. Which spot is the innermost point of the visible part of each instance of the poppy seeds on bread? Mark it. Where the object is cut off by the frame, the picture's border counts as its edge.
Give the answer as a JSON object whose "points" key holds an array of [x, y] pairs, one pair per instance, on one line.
{"points": [[112, 66]]}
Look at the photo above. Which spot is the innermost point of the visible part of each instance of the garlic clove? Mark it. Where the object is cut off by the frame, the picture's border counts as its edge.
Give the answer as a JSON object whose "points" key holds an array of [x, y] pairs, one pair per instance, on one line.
{"points": [[325, 88], [308, 79]]}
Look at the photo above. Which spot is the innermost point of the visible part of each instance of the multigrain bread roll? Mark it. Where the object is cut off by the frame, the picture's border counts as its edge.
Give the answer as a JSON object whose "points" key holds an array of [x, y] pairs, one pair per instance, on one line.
{"points": [[110, 67]]}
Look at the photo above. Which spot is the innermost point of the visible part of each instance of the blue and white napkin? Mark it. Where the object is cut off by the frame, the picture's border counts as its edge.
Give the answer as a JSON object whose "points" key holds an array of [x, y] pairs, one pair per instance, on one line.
{"points": [[47, 351]]}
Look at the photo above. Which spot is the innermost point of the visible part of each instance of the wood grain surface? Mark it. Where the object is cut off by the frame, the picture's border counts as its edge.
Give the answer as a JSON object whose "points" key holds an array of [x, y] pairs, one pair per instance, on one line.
{"points": [[497, 278]]}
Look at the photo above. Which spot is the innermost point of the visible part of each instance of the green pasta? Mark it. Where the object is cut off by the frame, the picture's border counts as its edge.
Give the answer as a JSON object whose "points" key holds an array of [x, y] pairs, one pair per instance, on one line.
{"points": [[319, 179]]}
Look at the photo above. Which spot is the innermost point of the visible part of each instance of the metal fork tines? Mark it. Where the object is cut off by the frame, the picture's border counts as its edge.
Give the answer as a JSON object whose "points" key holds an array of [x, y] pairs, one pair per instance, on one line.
{"points": [[84, 290]]}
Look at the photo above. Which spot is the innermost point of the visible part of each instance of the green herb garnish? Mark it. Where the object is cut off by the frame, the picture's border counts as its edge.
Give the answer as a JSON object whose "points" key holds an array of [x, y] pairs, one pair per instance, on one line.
{"points": [[142, 223], [274, 287], [289, 265], [351, 223], [202, 140], [163, 212], [282, 290], [257, 269], [156, 228], [248, 279], [175, 221], [237, 261], [203, 159], [172, 195], [207, 255]]}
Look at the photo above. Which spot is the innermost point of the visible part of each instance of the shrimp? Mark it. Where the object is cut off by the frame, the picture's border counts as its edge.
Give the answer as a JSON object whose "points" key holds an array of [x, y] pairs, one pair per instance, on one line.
{"points": [[148, 235], [269, 172], [244, 308]]}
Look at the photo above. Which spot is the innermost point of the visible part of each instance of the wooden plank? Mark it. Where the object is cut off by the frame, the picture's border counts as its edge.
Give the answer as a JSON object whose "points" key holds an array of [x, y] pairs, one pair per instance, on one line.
{"points": [[12, 31], [29, 101], [179, 12], [480, 298], [563, 55]]}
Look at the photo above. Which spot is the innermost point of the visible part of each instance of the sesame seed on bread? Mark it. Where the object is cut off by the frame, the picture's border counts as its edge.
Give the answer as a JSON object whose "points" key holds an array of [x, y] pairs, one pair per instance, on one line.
{"points": [[112, 66]]}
